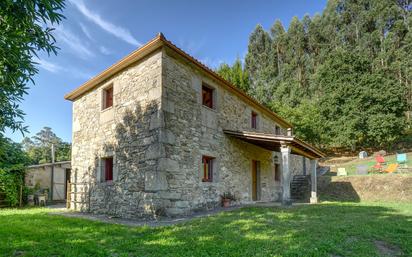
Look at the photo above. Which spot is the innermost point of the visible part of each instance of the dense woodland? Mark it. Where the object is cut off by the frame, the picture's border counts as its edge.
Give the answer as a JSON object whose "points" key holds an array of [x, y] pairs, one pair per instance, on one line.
{"points": [[343, 77]]}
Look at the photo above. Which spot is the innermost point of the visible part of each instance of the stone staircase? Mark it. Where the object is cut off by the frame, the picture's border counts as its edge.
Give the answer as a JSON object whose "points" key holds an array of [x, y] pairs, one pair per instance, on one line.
{"points": [[300, 188]]}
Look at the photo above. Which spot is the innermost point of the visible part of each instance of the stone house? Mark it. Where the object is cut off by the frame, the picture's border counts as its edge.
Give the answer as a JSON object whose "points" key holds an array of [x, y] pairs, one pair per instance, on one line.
{"points": [[159, 133]]}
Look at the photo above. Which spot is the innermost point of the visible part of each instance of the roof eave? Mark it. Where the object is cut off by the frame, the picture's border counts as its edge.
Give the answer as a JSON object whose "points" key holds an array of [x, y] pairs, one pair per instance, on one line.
{"points": [[151, 46], [148, 48]]}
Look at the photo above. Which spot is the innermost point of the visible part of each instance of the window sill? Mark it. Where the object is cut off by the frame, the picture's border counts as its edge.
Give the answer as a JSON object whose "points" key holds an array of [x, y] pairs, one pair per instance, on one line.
{"points": [[107, 183], [107, 109], [208, 108]]}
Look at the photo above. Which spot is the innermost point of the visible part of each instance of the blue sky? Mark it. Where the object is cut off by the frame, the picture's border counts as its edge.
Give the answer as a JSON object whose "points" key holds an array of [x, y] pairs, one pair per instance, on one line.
{"points": [[96, 34]]}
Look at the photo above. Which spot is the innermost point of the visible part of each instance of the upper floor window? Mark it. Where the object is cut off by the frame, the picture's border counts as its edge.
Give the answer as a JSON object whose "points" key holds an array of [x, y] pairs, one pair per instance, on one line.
{"points": [[107, 97], [207, 165], [207, 96], [107, 169], [277, 130], [254, 120]]}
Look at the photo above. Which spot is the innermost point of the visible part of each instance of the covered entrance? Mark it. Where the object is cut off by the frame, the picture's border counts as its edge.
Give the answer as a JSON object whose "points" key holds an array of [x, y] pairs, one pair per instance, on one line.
{"points": [[286, 145]]}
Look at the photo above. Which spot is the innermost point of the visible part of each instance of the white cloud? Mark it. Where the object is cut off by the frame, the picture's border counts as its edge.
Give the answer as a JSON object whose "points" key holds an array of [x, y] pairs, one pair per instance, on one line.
{"points": [[211, 63], [86, 31], [52, 67], [55, 68], [104, 50], [111, 28], [73, 42]]}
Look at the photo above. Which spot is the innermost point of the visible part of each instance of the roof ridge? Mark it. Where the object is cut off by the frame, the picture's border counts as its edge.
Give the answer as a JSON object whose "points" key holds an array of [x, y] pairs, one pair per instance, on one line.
{"points": [[151, 46]]}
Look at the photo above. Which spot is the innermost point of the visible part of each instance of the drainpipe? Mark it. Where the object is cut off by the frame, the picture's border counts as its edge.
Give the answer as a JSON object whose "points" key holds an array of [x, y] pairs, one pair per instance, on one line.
{"points": [[52, 172]]}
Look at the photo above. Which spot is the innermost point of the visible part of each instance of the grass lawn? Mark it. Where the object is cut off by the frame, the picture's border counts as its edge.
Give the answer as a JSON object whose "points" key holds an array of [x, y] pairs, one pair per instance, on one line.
{"points": [[329, 229], [369, 162]]}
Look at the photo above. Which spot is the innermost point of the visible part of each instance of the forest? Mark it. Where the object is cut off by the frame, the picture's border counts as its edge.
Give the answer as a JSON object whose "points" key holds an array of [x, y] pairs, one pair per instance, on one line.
{"points": [[343, 78]]}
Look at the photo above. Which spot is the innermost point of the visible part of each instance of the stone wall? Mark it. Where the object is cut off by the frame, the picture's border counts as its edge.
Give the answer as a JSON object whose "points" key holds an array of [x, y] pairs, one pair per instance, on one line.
{"points": [[157, 132], [198, 130], [128, 131]]}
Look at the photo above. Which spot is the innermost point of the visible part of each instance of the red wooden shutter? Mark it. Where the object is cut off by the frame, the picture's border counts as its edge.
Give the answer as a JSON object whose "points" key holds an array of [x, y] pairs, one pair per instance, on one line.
{"points": [[108, 165], [207, 96], [109, 97], [254, 120]]}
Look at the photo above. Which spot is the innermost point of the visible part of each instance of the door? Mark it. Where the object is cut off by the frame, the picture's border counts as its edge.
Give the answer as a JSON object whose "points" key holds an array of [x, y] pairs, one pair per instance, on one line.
{"points": [[67, 187], [255, 180]]}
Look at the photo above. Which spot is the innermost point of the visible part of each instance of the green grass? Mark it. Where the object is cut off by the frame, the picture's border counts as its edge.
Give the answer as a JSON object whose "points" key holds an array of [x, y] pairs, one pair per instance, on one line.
{"points": [[369, 162], [330, 229]]}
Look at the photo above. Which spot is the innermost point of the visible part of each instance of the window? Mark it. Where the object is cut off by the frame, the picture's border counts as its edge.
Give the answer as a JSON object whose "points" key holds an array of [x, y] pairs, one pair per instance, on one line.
{"points": [[107, 169], [277, 172], [254, 120], [207, 164], [277, 130], [207, 96], [107, 97]]}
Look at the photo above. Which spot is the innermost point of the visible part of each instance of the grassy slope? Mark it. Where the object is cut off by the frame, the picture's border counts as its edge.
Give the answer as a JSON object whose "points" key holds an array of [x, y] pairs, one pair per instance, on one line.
{"points": [[331, 229], [370, 161]]}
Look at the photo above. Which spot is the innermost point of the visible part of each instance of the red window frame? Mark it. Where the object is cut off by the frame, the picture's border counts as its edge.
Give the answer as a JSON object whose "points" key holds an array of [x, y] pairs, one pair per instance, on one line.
{"points": [[108, 97], [254, 120], [108, 169], [207, 164], [207, 96]]}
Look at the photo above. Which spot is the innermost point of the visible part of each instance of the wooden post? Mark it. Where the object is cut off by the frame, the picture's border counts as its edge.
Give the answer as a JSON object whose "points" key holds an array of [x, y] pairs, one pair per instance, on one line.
{"points": [[69, 189], [52, 173]]}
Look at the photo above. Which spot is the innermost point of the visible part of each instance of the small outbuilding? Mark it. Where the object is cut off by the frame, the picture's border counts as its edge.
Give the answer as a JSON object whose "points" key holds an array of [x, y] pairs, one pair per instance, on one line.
{"points": [[53, 177]]}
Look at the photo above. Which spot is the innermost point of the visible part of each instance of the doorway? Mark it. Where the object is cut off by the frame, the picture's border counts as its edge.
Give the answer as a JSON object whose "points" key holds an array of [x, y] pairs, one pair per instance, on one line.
{"points": [[67, 183], [255, 180]]}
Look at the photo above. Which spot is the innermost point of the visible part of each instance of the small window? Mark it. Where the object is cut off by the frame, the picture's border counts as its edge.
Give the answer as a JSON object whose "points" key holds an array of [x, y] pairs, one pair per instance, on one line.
{"points": [[277, 172], [107, 169], [277, 130], [207, 164], [107, 97], [207, 96], [254, 120]]}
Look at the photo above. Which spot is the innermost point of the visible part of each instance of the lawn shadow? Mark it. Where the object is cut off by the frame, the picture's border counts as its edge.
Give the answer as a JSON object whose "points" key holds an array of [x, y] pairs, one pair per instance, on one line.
{"points": [[341, 191], [316, 230]]}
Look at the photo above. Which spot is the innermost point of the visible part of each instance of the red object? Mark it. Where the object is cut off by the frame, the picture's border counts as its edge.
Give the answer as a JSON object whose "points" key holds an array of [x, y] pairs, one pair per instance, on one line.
{"points": [[379, 159], [108, 169], [254, 120], [108, 97], [378, 166], [207, 96]]}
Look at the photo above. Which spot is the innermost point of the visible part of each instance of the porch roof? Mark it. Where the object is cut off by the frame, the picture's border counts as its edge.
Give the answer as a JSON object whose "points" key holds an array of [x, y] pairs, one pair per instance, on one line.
{"points": [[273, 142]]}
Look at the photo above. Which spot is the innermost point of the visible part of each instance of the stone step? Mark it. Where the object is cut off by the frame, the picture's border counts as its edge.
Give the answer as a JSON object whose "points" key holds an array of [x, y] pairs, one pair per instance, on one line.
{"points": [[300, 186]]}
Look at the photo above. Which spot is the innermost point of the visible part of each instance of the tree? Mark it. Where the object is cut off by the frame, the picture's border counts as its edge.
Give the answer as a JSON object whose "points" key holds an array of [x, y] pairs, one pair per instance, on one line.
{"points": [[259, 65], [235, 74], [39, 146], [345, 73], [360, 106], [12, 165], [25, 29], [279, 45]]}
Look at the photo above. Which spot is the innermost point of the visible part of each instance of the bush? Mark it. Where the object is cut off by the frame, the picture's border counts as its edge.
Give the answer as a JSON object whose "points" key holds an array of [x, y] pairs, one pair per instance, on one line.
{"points": [[10, 182]]}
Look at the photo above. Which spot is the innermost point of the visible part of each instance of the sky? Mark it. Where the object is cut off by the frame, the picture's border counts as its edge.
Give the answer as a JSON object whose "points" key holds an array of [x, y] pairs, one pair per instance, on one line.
{"points": [[96, 34]]}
